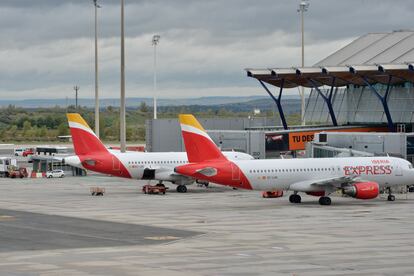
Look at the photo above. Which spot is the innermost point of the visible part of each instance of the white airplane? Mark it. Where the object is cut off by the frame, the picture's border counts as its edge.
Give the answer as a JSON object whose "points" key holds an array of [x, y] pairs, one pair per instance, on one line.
{"points": [[92, 154], [358, 177]]}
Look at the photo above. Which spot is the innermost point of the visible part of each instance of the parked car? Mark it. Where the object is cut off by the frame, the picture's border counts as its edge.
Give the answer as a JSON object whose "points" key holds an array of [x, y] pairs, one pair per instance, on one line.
{"points": [[55, 173]]}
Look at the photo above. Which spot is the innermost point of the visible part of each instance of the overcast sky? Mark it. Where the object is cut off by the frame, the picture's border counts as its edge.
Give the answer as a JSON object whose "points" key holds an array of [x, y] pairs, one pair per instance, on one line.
{"points": [[46, 46]]}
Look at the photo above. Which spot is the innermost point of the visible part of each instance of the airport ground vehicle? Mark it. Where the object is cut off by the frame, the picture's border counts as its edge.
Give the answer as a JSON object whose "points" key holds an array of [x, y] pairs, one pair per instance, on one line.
{"points": [[23, 151], [154, 189], [18, 151], [55, 173], [18, 172], [358, 177], [272, 194], [97, 191], [92, 154], [7, 163], [27, 152]]}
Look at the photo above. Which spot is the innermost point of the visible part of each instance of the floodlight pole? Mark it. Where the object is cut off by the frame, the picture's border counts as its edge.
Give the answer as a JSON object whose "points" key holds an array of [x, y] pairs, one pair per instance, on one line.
{"points": [[96, 70], [155, 41], [76, 88], [303, 6], [122, 104]]}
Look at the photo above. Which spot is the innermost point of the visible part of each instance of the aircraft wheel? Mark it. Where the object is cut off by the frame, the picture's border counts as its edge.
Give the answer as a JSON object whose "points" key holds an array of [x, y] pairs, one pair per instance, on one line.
{"points": [[295, 198], [391, 198], [324, 200], [181, 189]]}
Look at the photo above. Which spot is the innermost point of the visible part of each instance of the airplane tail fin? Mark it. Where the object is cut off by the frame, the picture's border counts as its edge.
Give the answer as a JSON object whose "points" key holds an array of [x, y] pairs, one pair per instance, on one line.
{"points": [[84, 139], [197, 142]]}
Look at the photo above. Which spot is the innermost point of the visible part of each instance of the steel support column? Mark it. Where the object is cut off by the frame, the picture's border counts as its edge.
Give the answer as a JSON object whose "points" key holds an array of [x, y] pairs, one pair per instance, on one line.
{"points": [[328, 100], [383, 99], [277, 101]]}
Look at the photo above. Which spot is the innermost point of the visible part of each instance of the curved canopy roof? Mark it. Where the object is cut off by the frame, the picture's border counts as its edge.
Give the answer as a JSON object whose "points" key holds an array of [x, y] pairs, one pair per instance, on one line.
{"points": [[335, 75], [373, 58]]}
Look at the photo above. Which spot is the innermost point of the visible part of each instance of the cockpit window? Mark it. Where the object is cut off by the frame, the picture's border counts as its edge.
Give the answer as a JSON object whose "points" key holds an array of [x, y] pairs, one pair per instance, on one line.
{"points": [[410, 166]]}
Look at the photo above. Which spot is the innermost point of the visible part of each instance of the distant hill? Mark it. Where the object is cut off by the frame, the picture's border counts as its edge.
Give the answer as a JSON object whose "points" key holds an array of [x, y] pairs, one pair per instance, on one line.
{"points": [[135, 102], [290, 106]]}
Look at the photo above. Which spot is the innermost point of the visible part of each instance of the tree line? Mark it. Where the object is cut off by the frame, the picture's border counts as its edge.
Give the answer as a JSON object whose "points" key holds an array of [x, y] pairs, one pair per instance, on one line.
{"points": [[46, 124]]}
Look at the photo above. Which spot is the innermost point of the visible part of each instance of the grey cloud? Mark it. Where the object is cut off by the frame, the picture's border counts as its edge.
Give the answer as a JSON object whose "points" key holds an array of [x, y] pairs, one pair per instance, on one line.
{"points": [[225, 20], [204, 44]]}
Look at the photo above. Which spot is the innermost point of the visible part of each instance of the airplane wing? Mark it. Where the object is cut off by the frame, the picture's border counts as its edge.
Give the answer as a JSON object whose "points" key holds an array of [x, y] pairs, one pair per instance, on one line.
{"points": [[323, 184], [167, 174]]}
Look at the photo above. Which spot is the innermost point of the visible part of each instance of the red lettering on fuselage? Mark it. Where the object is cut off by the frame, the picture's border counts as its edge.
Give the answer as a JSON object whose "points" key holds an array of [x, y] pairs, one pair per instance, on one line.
{"points": [[367, 170], [380, 161]]}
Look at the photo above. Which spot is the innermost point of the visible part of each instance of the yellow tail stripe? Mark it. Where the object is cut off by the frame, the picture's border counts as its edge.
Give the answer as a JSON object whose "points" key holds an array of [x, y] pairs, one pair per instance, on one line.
{"points": [[77, 118], [189, 119]]}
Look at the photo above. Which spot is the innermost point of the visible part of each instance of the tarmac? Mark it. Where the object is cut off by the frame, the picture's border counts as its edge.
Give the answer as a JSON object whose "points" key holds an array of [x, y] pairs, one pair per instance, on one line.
{"points": [[55, 227]]}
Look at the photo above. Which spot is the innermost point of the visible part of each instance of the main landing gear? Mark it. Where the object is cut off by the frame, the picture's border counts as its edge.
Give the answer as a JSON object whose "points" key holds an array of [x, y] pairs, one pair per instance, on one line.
{"points": [[295, 198], [391, 197], [324, 200], [181, 189]]}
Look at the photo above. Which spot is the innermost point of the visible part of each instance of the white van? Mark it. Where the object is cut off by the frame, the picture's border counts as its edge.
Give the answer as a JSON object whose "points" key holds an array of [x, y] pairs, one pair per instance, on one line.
{"points": [[18, 151]]}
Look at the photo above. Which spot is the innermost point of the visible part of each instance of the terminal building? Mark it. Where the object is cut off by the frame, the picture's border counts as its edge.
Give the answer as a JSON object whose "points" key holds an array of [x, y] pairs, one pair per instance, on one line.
{"points": [[367, 86]]}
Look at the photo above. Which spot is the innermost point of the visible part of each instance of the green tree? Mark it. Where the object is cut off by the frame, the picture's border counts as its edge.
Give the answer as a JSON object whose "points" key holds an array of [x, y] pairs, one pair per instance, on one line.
{"points": [[141, 133], [130, 133], [31, 134], [26, 127], [143, 107], [101, 127], [63, 129], [42, 132], [49, 122], [40, 122]]}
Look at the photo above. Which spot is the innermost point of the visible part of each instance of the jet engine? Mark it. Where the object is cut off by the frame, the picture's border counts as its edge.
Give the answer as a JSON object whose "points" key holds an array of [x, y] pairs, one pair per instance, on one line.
{"points": [[362, 190]]}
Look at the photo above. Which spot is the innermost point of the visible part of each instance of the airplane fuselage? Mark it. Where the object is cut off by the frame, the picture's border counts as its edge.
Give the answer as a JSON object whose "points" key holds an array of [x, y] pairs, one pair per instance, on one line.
{"points": [[300, 174], [141, 165], [286, 174]]}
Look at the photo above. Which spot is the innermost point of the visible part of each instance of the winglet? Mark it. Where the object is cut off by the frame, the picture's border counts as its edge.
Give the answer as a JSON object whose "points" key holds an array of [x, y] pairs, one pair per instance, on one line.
{"points": [[198, 144]]}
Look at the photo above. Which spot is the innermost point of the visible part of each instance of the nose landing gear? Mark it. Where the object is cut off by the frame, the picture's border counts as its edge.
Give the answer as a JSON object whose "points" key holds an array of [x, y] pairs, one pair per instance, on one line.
{"points": [[390, 197]]}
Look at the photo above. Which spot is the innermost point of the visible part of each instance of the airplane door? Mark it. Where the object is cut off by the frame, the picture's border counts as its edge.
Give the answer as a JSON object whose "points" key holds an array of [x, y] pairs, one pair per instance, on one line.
{"points": [[398, 171], [235, 172], [116, 164]]}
